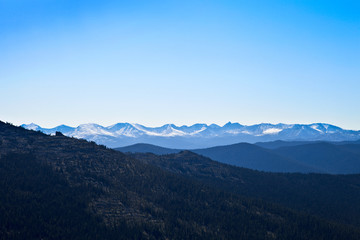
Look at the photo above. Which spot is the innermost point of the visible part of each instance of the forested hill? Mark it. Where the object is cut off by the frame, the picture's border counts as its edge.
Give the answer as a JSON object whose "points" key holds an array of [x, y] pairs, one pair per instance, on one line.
{"points": [[55, 187], [334, 197]]}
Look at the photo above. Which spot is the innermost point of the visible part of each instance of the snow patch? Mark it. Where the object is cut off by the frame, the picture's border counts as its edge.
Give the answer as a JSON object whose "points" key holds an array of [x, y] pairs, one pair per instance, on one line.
{"points": [[31, 126], [272, 131], [315, 127]]}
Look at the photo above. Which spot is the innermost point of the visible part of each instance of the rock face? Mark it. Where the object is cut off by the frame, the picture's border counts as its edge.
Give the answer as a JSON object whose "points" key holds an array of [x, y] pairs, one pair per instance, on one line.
{"points": [[201, 135]]}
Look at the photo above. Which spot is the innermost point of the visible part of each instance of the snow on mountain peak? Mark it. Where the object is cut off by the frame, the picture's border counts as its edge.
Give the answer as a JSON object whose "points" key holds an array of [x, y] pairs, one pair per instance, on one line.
{"points": [[272, 131], [31, 126], [122, 134], [317, 127], [89, 129]]}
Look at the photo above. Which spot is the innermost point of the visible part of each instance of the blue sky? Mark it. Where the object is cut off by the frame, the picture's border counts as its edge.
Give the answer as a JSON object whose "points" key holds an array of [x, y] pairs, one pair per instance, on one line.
{"points": [[182, 62]]}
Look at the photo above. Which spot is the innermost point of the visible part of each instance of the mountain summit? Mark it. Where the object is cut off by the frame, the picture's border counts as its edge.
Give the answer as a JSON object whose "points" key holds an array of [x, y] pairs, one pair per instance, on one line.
{"points": [[200, 135]]}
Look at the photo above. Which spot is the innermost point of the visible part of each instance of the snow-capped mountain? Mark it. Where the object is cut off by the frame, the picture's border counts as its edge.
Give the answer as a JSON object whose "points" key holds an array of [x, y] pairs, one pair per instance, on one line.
{"points": [[200, 135]]}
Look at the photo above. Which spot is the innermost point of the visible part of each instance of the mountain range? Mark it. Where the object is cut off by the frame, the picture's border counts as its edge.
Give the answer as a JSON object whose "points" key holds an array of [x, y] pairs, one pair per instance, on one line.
{"points": [[57, 187], [200, 135]]}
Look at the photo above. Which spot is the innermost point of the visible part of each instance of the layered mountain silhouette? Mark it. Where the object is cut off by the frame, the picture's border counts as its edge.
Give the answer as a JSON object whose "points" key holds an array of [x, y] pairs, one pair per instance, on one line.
{"points": [[56, 187], [201, 135], [279, 156]]}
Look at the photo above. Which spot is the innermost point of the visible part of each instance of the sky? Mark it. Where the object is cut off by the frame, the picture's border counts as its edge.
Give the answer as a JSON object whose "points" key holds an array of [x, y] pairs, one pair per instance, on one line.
{"points": [[182, 62]]}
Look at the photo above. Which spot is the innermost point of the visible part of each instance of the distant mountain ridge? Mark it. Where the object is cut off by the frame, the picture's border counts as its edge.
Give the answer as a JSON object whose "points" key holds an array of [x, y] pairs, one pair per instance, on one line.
{"points": [[200, 135], [278, 156]]}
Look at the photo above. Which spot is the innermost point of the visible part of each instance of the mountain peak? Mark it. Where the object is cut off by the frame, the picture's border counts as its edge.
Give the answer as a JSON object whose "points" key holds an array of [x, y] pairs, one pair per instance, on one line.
{"points": [[230, 124], [31, 126]]}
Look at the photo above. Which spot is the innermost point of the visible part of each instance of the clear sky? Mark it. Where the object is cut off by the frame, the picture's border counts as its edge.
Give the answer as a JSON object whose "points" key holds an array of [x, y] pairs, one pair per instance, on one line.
{"points": [[182, 62]]}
